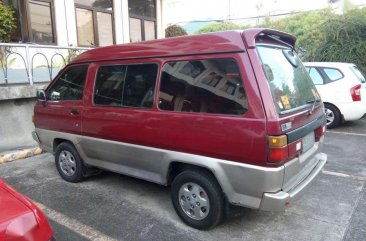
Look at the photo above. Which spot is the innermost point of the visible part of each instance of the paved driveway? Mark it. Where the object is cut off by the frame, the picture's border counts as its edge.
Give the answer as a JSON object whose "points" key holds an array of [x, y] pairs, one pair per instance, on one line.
{"points": [[116, 207]]}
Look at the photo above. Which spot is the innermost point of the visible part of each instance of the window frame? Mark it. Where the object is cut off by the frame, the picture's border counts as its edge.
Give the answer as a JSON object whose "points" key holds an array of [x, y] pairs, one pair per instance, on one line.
{"points": [[143, 19], [189, 58], [318, 71], [59, 76], [327, 80], [25, 25], [95, 23], [157, 80]]}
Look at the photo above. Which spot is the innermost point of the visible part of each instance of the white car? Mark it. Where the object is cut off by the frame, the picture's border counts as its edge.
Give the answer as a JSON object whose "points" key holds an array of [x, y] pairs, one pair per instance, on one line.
{"points": [[342, 88]]}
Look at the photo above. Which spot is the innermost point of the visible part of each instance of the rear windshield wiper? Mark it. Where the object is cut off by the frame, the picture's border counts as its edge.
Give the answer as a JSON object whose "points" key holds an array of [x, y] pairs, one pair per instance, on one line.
{"points": [[314, 101]]}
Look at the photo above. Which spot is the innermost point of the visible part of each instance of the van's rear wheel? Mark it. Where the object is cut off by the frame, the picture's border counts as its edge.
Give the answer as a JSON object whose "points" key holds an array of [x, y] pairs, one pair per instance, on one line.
{"points": [[68, 163], [333, 116], [198, 199]]}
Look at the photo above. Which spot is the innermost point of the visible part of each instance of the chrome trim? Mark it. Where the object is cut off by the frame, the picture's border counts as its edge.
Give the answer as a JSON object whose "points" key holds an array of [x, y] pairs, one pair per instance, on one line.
{"points": [[244, 184]]}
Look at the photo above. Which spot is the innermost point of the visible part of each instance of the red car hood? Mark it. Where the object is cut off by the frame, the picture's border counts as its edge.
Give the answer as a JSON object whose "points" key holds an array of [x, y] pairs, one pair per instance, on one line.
{"points": [[20, 219]]}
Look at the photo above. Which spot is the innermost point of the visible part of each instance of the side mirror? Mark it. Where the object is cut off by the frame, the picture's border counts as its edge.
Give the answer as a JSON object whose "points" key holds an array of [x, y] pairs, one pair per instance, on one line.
{"points": [[41, 95]]}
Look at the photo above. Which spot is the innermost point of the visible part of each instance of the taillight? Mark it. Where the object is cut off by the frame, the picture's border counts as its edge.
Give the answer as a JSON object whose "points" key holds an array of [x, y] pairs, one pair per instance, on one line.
{"points": [[278, 150], [319, 132], [33, 119], [356, 93]]}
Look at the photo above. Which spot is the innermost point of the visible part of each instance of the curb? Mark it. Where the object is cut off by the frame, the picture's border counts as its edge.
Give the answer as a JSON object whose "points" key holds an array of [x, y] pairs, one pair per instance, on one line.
{"points": [[19, 154]]}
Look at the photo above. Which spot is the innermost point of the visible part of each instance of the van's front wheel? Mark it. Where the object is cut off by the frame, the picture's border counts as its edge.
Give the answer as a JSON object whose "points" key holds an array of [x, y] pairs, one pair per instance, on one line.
{"points": [[198, 199]]}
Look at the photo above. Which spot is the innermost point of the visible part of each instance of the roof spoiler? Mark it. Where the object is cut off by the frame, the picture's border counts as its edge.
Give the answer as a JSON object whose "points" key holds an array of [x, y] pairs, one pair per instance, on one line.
{"points": [[250, 36]]}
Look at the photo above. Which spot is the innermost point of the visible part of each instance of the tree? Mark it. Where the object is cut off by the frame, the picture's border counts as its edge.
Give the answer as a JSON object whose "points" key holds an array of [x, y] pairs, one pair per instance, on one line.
{"points": [[174, 31], [7, 23], [323, 35], [306, 28], [214, 27], [344, 39]]}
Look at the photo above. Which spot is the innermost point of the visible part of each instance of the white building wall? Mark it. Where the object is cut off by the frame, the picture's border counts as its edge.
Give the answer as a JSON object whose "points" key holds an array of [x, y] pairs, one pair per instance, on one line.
{"points": [[118, 21], [65, 22], [125, 21], [160, 33], [61, 27]]}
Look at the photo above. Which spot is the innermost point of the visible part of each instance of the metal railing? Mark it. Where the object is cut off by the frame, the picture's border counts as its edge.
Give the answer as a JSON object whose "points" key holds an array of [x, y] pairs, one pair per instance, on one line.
{"points": [[32, 63]]}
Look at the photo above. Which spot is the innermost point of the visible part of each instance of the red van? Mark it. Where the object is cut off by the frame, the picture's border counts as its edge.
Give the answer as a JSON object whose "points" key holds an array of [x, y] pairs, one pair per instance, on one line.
{"points": [[223, 118]]}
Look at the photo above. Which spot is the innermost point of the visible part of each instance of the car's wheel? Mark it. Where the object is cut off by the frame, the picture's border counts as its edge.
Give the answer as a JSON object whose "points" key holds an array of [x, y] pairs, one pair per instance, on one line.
{"points": [[69, 163], [198, 199], [333, 116]]}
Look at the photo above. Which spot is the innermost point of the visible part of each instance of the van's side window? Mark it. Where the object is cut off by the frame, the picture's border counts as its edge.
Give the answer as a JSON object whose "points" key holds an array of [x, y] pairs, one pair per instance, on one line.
{"points": [[109, 85], [208, 86], [126, 85], [70, 85]]}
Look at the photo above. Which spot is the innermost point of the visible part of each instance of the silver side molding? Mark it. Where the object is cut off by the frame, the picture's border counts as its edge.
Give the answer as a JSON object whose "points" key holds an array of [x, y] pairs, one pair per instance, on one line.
{"points": [[243, 184]]}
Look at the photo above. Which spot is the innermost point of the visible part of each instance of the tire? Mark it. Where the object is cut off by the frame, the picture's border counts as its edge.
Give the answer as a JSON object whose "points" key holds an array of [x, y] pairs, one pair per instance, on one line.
{"points": [[198, 199], [68, 163], [333, 116]]}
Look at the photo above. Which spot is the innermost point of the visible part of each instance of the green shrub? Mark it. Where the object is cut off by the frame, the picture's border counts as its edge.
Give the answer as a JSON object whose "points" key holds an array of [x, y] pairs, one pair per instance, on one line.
{"points": [[7, 23], [215, 27], [174, 31], [344, 39], [326, 36]]}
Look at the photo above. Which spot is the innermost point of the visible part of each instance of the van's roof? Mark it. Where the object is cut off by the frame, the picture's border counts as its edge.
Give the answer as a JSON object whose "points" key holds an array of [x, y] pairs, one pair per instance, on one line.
{"points": [[218, 42]]}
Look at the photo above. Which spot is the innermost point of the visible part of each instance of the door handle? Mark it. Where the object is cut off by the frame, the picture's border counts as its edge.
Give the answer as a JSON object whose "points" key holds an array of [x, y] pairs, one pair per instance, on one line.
{"points": [[74, 112]]}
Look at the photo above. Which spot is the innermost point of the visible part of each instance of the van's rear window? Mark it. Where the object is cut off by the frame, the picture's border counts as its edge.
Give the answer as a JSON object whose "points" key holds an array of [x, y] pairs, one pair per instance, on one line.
{"points": [[290, 84]]}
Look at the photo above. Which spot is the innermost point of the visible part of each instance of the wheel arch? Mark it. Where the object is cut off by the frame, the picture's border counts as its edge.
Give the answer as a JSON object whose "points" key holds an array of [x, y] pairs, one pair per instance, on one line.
{"points": [[176, 167], [58, 141]]}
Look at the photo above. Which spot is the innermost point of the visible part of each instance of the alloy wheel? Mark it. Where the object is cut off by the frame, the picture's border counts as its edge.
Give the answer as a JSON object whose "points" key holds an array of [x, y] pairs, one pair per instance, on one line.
{"points": [[67, 163], [194, 201]]}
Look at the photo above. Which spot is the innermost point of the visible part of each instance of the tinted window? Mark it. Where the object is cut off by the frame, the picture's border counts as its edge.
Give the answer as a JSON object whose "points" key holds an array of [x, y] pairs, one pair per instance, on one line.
{"points": [[144, 8], [315, 76], [207, 86], [94, 22], [333, 74], [142, 19], [70, 85], [109, 85], [104, 4], [290, 85], [126, 85], [85, 26], [140, 85], [41, 21]]}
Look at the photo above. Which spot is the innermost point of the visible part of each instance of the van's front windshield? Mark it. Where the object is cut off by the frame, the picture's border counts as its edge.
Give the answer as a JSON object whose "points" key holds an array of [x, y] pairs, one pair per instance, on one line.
{"points": [[290, 84]]}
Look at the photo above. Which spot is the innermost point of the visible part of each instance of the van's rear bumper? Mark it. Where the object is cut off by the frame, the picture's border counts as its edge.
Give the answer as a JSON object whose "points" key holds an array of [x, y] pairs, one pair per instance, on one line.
{"points": [[278, 201]]}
